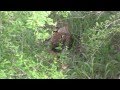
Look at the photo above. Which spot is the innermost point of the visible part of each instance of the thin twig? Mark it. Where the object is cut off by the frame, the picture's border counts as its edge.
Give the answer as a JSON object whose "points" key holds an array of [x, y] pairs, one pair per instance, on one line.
{"points": [[109, 25]]}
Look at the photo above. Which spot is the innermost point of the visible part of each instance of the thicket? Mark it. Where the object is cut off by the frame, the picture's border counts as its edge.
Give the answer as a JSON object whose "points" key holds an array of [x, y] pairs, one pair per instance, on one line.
{"points": [[24, 45]]}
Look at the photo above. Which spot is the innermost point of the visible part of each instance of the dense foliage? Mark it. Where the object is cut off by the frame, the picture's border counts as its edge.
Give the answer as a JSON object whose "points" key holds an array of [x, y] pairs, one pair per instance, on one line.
{"points": [[24, 45]]}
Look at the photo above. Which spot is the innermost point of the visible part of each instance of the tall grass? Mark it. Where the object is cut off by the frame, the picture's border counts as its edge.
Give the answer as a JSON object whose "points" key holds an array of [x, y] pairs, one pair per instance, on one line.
{"points": [[95, 53]]}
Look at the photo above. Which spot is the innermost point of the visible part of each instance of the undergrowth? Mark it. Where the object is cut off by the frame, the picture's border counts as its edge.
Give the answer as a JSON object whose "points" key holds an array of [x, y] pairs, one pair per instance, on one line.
{"points": [[24, 51]]}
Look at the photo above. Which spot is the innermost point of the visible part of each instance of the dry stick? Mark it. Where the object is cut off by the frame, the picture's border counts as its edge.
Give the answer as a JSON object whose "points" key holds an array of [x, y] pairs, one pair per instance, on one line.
{"points": [[108, 25]]}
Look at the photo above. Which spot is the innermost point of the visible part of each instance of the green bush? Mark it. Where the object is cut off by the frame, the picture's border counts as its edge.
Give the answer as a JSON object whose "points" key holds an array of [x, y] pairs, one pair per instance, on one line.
{"points": [[95, 53]]}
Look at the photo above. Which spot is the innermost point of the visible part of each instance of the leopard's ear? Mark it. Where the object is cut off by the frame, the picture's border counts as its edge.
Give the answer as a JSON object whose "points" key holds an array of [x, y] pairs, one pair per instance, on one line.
{"points": [[62, 36]]}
